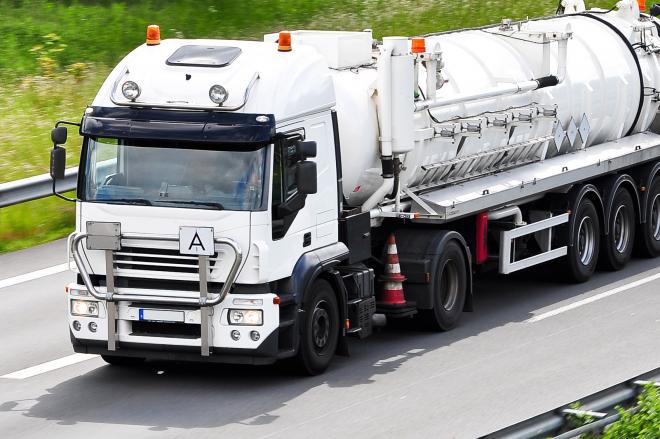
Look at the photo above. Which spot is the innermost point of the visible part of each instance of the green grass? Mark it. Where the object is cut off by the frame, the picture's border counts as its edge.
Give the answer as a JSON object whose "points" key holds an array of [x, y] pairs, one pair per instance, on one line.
{"points": [[54, 55]]}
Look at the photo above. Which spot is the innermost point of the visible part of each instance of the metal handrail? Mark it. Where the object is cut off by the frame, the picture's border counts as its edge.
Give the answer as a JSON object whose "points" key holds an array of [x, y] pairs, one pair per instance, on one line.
{"points": [[33, 188], [113, 297]]}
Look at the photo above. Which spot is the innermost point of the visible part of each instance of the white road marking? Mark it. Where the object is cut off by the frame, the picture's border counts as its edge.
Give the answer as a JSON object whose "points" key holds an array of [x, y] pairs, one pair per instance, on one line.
{"points": [[33, 275], [48, 366], [592, 299]]}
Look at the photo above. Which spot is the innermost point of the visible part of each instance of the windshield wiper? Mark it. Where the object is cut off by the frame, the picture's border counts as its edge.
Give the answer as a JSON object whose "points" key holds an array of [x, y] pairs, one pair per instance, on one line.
{"points": [[196, 203], [140, 201]]}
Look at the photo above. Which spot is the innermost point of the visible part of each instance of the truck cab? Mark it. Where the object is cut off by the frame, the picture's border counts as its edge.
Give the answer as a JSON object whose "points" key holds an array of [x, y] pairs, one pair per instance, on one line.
{"points": [[208, 202]]}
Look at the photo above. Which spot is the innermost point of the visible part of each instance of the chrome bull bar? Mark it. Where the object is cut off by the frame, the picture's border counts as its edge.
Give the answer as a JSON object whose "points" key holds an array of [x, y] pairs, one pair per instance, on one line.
{"points": [[109, 242]]}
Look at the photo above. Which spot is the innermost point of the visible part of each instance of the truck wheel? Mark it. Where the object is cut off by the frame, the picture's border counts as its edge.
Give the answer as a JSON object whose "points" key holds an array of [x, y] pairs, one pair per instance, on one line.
{"points": [[618, 245], [114, 360], [319, 330], [449, 290], [583, 254], [649, 232]]}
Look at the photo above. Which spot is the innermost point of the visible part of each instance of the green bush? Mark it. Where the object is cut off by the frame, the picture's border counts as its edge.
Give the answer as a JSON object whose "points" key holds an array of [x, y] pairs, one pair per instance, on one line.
{"points": [[643, 422]]}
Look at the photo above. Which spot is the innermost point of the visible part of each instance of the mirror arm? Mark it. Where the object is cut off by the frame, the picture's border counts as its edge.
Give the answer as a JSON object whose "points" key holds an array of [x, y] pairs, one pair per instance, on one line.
{"points": [[58, 195], [64, 122]]}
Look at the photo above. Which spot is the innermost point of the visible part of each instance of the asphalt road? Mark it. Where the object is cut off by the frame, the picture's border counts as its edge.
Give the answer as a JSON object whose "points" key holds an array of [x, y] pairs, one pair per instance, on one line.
{"points": [[497, 368]]}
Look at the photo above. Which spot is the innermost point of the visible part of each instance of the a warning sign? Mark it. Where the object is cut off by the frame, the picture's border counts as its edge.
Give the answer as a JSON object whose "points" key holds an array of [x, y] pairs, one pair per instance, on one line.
{"points": [[196, 241]]}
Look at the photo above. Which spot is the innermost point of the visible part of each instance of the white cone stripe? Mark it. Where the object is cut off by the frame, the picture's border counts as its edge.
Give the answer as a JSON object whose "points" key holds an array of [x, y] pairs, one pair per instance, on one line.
{"points": [[391, 249], [393, 269], [393, 286]]}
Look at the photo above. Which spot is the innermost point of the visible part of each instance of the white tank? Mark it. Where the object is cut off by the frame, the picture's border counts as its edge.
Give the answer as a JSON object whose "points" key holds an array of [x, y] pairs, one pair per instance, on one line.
{"points": [[597, 100]]}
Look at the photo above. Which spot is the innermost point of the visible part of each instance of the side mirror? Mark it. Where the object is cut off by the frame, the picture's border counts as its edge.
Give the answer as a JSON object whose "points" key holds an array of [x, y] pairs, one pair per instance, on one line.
{"points": [[306, 179], [58, 161], [58, 135], [655, 10], [305, 149]]}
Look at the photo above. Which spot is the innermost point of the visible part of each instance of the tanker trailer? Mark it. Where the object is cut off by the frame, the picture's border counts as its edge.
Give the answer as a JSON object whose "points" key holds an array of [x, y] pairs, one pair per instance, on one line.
{"points": [[245, 202]]}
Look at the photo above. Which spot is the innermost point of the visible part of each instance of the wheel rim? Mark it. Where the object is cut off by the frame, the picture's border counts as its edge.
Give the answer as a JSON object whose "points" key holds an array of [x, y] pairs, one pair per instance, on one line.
{"points": [[321, 326], [655, 218], [621, 229], [449, 285], [586, 240]]}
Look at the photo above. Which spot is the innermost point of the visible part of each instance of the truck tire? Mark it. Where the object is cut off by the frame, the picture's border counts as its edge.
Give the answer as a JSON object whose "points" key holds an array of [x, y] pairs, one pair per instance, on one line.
{"points": [[618, 245], [648, 237], [319, 330], [115, 360], [582, 256], [449, 290]]}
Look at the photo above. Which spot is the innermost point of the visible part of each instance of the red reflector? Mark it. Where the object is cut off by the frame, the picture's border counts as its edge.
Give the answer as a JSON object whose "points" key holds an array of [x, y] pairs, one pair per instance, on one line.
{"points": [[348, 324], [276, 300], [481, 237]]}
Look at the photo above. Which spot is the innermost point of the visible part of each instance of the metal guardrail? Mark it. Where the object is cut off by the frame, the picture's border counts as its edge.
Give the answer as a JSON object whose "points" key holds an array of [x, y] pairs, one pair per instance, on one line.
{"points": [[600, 407], [33, 188]]}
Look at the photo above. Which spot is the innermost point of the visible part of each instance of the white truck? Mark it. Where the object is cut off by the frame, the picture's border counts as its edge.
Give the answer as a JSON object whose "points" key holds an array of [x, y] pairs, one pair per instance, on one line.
{"points": [[235, 197]]}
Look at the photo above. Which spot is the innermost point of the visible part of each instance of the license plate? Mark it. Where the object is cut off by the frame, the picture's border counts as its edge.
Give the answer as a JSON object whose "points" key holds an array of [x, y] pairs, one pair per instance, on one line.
{"points": [[161, 315]]}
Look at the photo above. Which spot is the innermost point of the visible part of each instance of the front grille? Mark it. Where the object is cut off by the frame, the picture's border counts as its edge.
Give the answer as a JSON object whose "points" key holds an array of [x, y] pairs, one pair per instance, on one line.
{"points": [[163, 263]]}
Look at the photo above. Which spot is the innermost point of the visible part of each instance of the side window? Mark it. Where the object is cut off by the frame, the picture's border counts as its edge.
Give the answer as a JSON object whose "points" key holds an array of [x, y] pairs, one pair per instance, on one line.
{"points": [[284, 177], [284, 181]]}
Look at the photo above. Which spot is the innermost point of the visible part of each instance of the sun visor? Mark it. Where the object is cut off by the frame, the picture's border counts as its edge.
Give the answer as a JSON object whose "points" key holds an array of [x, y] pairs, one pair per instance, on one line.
{"points": [[250, 130]]}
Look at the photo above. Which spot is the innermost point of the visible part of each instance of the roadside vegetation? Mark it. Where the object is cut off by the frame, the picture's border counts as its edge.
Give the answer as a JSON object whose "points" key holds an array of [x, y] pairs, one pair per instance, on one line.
{"points": [[640, 421], [55, 54]]}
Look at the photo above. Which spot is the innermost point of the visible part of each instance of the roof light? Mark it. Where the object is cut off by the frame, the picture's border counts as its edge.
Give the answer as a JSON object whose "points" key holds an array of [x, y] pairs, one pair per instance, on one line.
{"points": [[418, 45], [284, 42], [218, 94], [153, 35], [130, 90]]}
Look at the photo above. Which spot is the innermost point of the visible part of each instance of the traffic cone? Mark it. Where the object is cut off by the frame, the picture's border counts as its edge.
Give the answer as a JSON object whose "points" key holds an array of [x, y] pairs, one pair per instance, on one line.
{"points": [[393, 288]]}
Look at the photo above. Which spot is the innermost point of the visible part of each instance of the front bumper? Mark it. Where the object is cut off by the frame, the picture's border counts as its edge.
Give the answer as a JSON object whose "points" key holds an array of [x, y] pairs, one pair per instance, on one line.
{"points": [[267, 353], [134, 337]]}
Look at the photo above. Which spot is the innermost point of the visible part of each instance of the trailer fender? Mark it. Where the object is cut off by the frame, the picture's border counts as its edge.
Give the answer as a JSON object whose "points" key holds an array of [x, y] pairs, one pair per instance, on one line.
{"points": [[419, 252], [575, 197], [644, 175], [609, 186]]}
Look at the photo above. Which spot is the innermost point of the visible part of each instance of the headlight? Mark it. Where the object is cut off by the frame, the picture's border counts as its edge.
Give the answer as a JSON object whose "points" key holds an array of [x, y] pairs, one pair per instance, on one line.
{"points": [[246, 317], [130, 90], [218, 94], [84, 308]]}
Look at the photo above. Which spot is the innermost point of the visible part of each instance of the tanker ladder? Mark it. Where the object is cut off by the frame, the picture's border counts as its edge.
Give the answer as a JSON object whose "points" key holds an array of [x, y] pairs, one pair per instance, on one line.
{"points": [[587, 415]]}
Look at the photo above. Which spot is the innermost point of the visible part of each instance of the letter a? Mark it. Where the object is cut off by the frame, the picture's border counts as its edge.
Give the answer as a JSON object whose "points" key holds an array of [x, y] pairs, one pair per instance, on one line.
{"points": [[196, 241]]}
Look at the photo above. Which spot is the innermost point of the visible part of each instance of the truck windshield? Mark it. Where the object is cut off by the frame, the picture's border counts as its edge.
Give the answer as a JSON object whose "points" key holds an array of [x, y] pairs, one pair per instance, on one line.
{"points": [[173, 174]]}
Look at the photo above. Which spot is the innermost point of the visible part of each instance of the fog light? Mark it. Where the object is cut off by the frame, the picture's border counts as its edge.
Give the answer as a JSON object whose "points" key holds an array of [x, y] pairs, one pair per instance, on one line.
{"points": [[84, 308], [218, 94], [130, 90], [92, 326], [245, 317], [76, 325], [235, 335], [254, 335]]}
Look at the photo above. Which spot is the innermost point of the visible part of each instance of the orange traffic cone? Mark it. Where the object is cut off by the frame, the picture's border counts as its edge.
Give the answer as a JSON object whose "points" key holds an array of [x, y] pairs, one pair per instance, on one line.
{"points": [[393, 288]]}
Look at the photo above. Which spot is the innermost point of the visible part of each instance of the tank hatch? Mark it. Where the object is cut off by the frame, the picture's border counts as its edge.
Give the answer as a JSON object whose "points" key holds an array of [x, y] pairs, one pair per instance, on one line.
{"points": [[203, 56]]}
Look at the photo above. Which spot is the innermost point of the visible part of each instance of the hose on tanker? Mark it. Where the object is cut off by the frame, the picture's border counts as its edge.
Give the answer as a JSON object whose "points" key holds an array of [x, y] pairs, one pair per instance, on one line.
{"points": [[631, 49], [593, 15]]}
